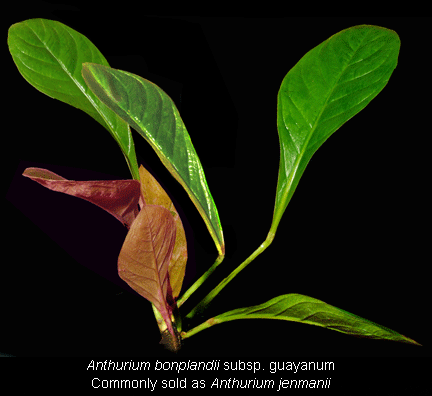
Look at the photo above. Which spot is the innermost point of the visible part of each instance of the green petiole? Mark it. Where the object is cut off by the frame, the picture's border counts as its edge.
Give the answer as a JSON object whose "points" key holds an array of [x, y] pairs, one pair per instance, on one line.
{"points": [[200, 281], [206, 300]]}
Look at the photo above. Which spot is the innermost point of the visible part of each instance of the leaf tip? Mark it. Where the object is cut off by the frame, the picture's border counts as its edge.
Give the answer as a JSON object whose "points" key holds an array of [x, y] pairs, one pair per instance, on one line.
{"points": [[411, 341]]}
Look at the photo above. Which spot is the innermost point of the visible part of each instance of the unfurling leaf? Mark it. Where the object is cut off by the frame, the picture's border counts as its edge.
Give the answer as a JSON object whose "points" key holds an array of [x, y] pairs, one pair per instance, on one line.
{"points": [[328, 86], [304, 309], [145, 256], [154, 194], [152, 113], [49, 55], [117, 197]]}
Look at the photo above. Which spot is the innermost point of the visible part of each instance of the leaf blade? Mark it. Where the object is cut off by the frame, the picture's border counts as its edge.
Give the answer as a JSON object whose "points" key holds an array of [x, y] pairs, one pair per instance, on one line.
{"points": [[49, 55], [327, 87], [154, 194], [305, 309], [152, 113], [118, 197], [145, 255]]}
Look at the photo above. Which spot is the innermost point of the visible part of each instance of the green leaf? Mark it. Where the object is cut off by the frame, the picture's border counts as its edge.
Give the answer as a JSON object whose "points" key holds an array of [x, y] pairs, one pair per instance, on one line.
{"points": [[151, 112], [328, 86], [49, 55], [299, 308]]}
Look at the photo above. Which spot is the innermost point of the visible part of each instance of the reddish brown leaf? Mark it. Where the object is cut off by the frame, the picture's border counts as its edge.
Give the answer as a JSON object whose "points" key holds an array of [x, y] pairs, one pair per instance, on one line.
{"points": [[118, 197], [154, 194], [145, 256]]}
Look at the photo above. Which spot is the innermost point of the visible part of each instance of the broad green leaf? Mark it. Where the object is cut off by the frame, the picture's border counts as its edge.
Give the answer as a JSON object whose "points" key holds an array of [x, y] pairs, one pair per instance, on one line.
{"points": [[49, 55], [304, 309], [149, 110], [144, 258], [154, 194], [328, 86]]}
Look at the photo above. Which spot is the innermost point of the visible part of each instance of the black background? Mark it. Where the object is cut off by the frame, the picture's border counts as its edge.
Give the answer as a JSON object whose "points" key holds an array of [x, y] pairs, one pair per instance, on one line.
{"points": [[355, 234]]}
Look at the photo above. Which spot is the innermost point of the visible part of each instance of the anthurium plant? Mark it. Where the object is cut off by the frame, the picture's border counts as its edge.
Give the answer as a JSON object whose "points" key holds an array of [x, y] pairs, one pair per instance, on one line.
{"points": [[322, 91]]}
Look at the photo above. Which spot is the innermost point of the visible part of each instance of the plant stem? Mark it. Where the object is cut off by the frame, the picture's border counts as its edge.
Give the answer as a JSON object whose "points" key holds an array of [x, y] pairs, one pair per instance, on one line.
{"points": [[201, 280], [205, 325], [206, 300]]}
